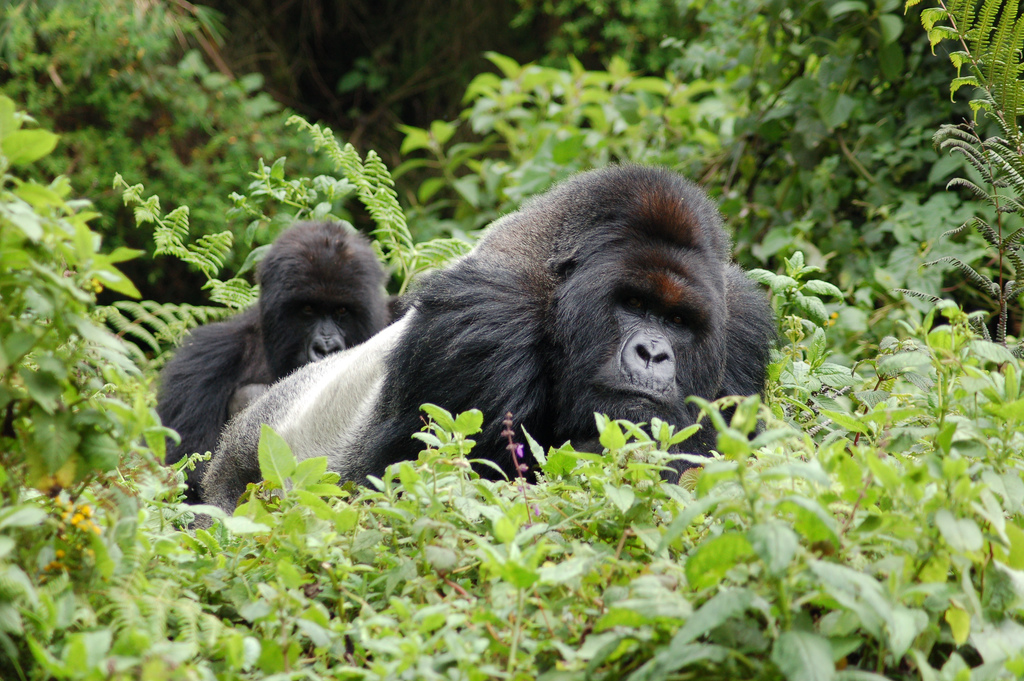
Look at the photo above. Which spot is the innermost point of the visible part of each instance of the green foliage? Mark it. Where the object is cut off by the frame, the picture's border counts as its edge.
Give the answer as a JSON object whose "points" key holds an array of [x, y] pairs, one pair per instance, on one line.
{"points": [[808, 121], [120, 82], [873, 529], [206, 254], [992, 37], [539, 124], [63, 420], [593, 29], [889, 549], [374, 187]]}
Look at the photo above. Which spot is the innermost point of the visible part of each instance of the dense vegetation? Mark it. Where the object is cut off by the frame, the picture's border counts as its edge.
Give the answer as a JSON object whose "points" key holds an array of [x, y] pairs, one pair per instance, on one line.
{"points": [[874, 529]]}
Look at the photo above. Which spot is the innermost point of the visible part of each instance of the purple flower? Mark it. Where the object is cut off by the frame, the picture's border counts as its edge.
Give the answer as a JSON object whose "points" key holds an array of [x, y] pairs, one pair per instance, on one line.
{"points": [[536, 510], [519, 451]]}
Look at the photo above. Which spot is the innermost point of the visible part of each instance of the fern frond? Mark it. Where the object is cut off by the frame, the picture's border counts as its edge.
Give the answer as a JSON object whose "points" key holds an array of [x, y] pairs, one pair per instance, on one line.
{"points": [[956, 231], [978, 280], [235, 293], [1009, 160], [375, 189], [973, 155], [157, 326], [1013, 254], [1015, 238], [170, 231], [985, 230], [979, 326], [918, 294], [967, 184], [440, 251], [208, 252]]}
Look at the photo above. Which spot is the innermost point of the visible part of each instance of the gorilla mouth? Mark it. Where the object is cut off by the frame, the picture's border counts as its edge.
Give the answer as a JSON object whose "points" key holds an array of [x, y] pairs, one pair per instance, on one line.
{"points": [[636, 394]]}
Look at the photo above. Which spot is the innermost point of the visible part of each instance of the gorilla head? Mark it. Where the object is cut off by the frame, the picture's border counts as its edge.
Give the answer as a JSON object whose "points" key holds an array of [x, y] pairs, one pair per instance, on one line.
{"points": [[612, 293], [321, 292]]}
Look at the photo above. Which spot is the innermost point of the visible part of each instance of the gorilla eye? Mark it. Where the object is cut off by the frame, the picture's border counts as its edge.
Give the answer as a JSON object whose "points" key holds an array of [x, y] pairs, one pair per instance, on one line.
{"points": [[341, 311], [678, 320], [307, 310], [635, 303]]}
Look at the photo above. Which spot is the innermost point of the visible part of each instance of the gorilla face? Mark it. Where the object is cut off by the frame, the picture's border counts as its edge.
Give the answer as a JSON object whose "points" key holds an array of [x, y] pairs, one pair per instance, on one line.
{"points": [[638, 327], [321, 292]]}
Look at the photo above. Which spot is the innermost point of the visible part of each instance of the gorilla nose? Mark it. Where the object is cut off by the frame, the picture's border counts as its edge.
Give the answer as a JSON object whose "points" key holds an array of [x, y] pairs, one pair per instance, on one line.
{"points": [[648, 357], [323, 346]]}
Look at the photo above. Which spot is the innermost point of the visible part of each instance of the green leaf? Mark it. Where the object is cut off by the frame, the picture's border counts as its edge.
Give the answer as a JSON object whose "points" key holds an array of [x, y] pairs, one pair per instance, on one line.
{"points": [[959, 624], [993, 352], [721, 608], [622, 497], [709, 562], [441, 417], [275, 456], [241, 525], [775, 544], [441, 558], [847, 421], [846, 6], [962, 534], [504, 529], [891, 27], [25, 146], [560, 462], [612, 437], [469, 422], [803, 656], [508, 66], [21, 516], [308, 472]]}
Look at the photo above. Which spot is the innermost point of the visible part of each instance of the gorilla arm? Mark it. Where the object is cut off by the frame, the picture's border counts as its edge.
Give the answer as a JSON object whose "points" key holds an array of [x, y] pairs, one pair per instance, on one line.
{"points": [[317, 410]]}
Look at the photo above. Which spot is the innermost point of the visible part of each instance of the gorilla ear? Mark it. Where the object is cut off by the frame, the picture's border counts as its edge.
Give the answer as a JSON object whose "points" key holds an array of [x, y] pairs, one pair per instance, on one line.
{"points": [[562, 267]]}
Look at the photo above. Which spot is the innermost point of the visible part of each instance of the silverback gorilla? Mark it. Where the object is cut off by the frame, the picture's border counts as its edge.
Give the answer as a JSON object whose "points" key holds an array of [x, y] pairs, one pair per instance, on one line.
{"points": [[321, 291], [614, 292]]}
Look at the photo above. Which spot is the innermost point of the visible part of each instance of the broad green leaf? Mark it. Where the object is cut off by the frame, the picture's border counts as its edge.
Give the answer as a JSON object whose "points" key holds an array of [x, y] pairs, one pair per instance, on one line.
{"points": [[509, 67], [612, 437], [962, 534], [803, 656], [838, 9], [721, 608], [959, 622], [21, 516], [441, 131], [275, 456], [810, 519], [891, 27], [504, 529], [25, 146], [469, 422], [775, 544], [308, 472], [242, 525], [709, 562], [441, 558], [623, 497], [846, 421]]}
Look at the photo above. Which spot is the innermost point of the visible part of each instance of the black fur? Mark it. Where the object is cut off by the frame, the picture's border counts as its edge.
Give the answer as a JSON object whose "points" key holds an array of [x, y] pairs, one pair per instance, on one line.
{"points": [[321, 290], [613, 293], [533, 321]]}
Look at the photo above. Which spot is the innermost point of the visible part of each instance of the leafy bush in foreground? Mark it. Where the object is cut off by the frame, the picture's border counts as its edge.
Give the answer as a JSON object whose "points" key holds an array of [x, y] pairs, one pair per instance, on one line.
{"points": [[893, 548]]}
